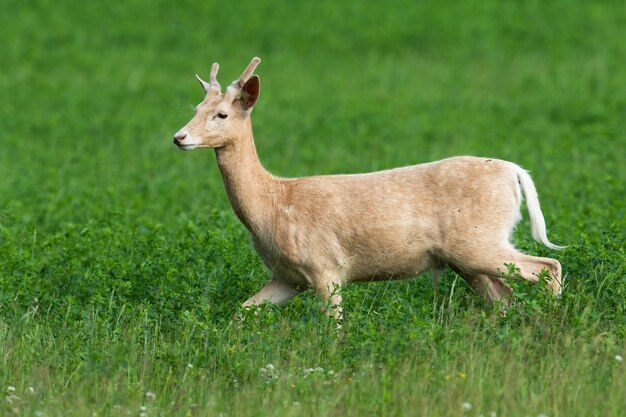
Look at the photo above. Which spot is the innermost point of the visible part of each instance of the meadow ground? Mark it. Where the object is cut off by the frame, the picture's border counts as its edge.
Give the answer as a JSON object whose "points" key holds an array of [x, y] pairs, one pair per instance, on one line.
{"points": [[121, 263]]}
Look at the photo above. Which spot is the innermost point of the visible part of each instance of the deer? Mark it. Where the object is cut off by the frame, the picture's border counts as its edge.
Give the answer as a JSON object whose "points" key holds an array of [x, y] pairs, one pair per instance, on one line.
{"points": [[323, 232]]}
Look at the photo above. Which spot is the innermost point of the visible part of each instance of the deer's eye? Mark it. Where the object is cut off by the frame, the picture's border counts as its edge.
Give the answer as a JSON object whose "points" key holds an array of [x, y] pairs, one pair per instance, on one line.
{"points": [[222, 115]]}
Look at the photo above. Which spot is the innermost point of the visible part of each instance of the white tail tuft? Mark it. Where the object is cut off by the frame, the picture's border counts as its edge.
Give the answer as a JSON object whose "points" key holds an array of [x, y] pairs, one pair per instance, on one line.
{"points": [[537, 222]]}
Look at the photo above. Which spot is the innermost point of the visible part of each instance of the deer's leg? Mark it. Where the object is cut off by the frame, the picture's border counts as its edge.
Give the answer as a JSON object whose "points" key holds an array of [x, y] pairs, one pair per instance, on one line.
{"points": [[531, 266], [275, 291], [492, 289], [329, 289], [490, 261]]}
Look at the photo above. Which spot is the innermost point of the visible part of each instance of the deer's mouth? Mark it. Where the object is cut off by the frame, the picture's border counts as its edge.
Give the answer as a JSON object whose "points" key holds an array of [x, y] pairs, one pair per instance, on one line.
{"points": [[186, 147]]}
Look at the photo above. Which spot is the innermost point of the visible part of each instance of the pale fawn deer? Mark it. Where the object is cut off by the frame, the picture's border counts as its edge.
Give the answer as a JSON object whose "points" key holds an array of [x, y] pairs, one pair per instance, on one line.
{"points": [[322, 232]]}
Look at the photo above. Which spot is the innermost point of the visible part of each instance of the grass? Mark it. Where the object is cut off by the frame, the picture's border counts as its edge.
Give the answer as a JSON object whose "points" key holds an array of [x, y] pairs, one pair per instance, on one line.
{"points": [[121, 263]]}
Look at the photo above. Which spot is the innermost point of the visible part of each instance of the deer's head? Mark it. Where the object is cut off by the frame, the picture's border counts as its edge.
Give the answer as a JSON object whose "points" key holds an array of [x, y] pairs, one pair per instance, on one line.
{"points": [[220, 118]]}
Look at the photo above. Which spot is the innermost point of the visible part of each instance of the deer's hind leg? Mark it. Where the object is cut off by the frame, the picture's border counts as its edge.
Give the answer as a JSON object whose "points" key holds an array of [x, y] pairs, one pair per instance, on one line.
{"points": [[531, 266], [492, 289], [491, 262]]}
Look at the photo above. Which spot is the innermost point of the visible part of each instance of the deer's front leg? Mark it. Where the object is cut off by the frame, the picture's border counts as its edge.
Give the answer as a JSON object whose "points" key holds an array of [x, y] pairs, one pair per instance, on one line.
{"points": [[275, 291], [329, 289]]}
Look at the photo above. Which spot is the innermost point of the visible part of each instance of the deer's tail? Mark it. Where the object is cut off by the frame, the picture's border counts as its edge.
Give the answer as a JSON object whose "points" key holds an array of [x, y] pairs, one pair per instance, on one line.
{"points": [[537, 222]]}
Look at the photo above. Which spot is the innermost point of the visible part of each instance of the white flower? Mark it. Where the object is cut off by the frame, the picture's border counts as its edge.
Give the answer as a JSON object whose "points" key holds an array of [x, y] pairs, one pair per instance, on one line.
{"points": [[269, 373], [150, 395], [493, 414], [30, 390], [189, 366], [317, 370], [142, 408], [12, 397], [466, 406], [10, 388], [619, 358]]}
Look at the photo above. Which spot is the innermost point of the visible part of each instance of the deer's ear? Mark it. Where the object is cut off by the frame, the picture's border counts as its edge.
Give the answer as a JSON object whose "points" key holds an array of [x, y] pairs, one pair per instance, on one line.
{"points": [[250, 92]]}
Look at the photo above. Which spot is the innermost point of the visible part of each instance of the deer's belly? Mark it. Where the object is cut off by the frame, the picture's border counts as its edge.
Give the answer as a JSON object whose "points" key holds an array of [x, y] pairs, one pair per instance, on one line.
{"points": [[387, 265]]}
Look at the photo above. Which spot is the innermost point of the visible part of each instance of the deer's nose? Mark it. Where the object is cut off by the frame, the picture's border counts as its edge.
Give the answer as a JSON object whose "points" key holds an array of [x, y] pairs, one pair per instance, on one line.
{"points": [[179, 137]]}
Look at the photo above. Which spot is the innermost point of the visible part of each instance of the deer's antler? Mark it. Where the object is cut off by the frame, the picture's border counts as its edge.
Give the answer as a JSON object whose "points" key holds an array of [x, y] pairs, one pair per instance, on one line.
{"points": [[234, 88], [213, 85]]}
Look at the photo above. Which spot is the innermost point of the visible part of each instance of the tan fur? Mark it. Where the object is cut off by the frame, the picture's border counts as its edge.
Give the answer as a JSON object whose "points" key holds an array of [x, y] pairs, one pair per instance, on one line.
{"points": [[325, 231]]}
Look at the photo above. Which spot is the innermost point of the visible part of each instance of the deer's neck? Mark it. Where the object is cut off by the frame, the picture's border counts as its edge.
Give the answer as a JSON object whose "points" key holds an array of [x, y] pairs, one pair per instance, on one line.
{"points": [[249, 186]]}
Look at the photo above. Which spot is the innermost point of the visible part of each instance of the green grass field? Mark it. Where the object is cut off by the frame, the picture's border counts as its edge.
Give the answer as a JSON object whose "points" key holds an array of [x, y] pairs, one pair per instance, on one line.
{"points": [[121, 262]]}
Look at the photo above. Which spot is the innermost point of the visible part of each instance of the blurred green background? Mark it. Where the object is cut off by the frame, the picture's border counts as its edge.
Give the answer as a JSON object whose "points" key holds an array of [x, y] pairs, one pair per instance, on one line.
{"points": [[93, 92], [346, 87]]}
